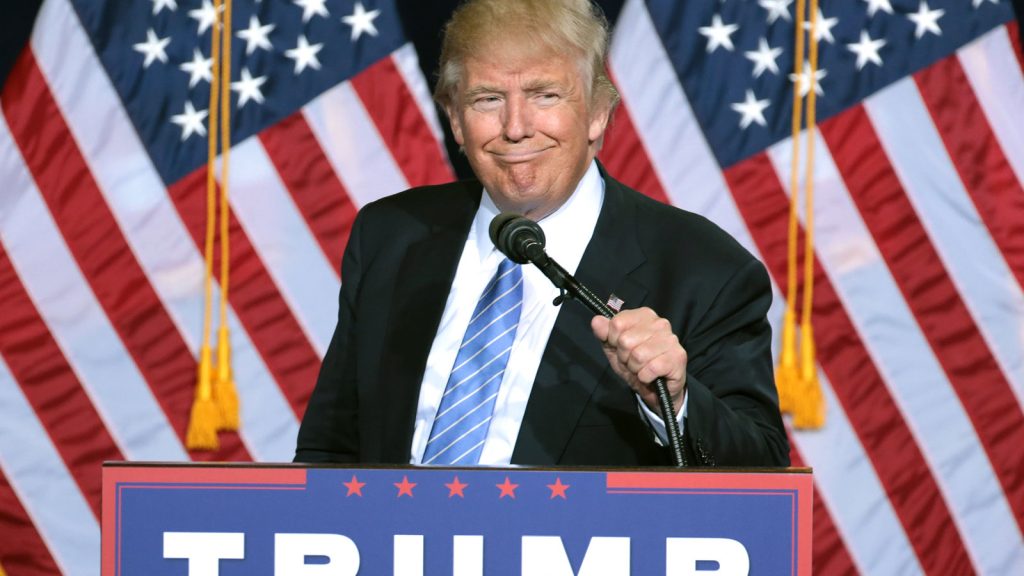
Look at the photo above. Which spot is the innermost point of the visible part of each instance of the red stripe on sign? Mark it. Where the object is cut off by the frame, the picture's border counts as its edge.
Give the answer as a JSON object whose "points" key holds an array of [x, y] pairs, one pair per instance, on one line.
{"points": [[926, 286], [307, 174], [22, 550], [406, 133], [103, 255], [625, 156], [865, 399], [831, 555], [51, 387], [255, 298], [977, 155]]}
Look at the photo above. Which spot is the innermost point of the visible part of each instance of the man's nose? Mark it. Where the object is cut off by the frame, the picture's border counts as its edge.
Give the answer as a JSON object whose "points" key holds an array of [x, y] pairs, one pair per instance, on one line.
{"points": [[518, 122]]}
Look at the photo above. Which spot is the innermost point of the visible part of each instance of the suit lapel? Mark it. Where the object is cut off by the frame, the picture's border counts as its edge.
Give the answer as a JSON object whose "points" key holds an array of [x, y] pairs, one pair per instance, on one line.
{"points": [[573, 362], [424, 279]]}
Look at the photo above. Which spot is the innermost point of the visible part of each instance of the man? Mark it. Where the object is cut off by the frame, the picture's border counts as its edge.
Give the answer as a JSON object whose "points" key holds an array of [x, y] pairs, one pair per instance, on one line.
{"points": [[446, 353]]}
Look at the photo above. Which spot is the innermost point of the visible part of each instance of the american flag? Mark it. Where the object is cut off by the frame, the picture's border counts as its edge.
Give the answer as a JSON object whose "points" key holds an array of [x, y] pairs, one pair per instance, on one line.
{"points": [[919, 178]]}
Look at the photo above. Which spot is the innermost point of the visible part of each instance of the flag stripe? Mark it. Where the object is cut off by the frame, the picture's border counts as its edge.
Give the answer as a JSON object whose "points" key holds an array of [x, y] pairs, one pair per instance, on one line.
{"points": [[315, 188], [22, 551], [978, 157], [353, 145], [394, 111], [935, 301], [1017, 47], [830, 554], [43, 484], [280, 235], [51, 387], [93, 236], [277, 336], [894, 340], [626, 157], [859, 387], [985, 283]]}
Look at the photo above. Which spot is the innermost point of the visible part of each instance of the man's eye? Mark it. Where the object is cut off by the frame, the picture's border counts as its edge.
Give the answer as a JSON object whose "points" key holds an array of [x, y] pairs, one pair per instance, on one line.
{"points": [[548, 97]]}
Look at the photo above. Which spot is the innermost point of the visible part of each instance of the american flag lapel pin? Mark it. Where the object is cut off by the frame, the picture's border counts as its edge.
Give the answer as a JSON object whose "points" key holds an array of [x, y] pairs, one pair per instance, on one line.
{"points": [[615, 303]]}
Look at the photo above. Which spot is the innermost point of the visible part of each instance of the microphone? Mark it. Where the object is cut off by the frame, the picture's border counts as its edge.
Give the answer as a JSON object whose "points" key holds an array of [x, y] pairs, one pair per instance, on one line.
{"points": [[522, 240]]}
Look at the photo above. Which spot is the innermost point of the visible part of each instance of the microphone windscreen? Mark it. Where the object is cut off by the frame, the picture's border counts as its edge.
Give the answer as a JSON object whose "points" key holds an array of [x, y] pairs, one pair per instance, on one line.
{"points": [[512, 234]]}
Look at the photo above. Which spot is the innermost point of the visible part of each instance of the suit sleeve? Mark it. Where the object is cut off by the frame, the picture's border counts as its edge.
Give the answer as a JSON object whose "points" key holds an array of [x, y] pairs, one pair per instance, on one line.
{"points": [[330, 427], [732, 415]]}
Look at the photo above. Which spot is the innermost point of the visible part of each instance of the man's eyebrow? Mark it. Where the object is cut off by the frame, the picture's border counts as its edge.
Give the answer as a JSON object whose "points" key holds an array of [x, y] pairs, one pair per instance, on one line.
{"points": [[482, 89]]}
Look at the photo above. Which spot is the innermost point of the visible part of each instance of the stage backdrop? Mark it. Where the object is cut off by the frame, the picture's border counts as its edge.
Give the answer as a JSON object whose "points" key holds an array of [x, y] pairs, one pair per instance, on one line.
{"points": [[919, 294]]}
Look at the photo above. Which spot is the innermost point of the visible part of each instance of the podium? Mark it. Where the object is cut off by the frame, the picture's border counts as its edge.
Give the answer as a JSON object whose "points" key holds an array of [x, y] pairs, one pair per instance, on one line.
{"points": [[294, 520]]}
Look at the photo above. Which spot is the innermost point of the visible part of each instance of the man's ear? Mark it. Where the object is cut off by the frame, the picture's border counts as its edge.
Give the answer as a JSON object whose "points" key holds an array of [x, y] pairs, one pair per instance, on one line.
{"points": [[456, 123], [599, 117]]}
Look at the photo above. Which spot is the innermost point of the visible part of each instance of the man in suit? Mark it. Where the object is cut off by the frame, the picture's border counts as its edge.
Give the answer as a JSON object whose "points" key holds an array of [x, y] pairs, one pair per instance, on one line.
{"points": [[524, 87]]}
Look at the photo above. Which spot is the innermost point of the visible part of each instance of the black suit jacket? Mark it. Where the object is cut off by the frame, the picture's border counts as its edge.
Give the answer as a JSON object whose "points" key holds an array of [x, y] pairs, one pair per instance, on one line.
{"points": [[397, 271]]}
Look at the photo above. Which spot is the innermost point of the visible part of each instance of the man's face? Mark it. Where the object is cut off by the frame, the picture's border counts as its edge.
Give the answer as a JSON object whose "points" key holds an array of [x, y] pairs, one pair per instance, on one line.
{"points": [[527, 127]]}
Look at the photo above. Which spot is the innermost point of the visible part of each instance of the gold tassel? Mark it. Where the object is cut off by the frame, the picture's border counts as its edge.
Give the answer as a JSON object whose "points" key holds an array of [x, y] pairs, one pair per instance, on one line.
{"points": [[224, 384], [787, 377], [808, 405], [809, 409], [204, 421]]}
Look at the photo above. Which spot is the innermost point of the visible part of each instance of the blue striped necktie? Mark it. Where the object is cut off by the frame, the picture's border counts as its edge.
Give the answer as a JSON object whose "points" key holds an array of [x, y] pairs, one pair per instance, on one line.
{"points": [[464, 416]]}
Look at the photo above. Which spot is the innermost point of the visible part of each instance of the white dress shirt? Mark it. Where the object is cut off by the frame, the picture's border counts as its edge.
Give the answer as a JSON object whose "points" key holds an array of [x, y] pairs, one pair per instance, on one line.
{"points": [[568, 231]]}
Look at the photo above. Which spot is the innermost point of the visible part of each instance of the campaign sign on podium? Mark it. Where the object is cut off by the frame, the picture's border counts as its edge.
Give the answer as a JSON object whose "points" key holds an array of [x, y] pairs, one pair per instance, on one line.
{"points": [[233, 520]]}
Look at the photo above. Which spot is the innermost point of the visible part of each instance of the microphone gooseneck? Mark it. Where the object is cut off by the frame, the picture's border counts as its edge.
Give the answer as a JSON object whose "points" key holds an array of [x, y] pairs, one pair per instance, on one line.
{"points": [[522, 240]]}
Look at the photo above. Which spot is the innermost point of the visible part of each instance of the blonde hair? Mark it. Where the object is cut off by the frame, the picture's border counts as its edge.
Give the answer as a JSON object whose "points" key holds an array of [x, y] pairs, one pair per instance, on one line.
{"points": [[577, 28]]}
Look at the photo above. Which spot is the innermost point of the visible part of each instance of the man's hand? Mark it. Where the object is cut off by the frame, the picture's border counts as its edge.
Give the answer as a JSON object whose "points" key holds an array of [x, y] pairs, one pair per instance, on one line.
{"points": [[640, 346]]}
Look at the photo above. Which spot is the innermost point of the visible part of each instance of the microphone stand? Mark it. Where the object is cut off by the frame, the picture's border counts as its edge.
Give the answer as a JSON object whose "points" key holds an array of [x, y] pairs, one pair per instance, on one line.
{"points": [[571, 288]]}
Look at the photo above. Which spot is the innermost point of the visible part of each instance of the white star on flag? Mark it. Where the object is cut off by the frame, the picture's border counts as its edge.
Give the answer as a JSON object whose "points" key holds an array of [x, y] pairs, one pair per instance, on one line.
{"points": [[199, 68], [978, 3], [361, 21], [803, 80], [751, 110], [191, 121], [159, 5], [764, 58], [204, 16], [311, 8], [823, 29], [926, 20], [304, 55], [248, 88], [776, 9], [876, 5], [256, 35], [153, 48], [867, 50], [718, 34]]}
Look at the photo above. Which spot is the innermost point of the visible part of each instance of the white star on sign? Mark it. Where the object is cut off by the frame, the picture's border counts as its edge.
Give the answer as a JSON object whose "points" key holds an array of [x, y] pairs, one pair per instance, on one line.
{"points": [[876, 5], [191, 121], [312, 7], [776, 9], [199, 68], [803, 80], [248, 88], [764, 58], [153, 48], [361, 21], [824, 28], [926, 20], [159, 5], [751, 110], [718, 34], [255, 35], [205, 16], [867, 50], [304, 55]]}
